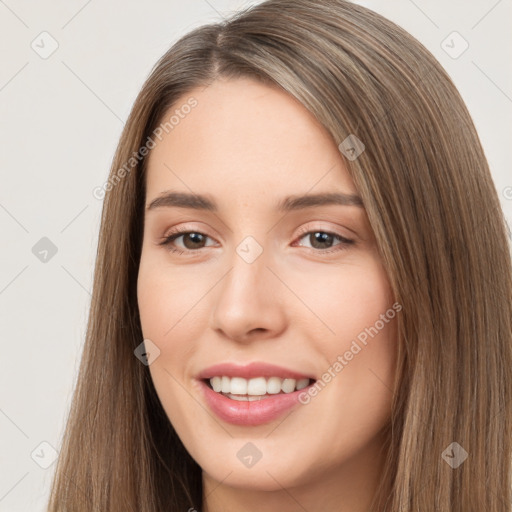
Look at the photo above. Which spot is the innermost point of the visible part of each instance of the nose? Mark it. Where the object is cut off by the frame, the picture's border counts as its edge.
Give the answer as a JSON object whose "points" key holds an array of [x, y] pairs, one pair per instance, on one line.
{"points": [[249, 304]]}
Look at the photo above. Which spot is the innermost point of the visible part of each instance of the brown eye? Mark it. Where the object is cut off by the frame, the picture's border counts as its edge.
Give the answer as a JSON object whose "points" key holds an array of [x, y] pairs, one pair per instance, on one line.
{"points": [[322, 241], [192, 241]]}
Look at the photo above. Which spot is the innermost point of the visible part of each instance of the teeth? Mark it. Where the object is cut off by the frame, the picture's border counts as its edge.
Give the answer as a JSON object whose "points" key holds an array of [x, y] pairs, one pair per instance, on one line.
{"points": [[245, 398], [226, 385], [274, 385], [302, 383], [238, 386], [257, 386], [288, 385], [216, 383]]}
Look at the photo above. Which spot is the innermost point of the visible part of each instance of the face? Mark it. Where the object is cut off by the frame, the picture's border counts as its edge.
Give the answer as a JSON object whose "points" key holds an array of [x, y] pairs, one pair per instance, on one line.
{"points": [[246, 283]]}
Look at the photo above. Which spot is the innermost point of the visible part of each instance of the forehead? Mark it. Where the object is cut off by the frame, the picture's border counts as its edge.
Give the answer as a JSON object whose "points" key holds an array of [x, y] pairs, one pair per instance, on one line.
{"points": [[244, 138]]}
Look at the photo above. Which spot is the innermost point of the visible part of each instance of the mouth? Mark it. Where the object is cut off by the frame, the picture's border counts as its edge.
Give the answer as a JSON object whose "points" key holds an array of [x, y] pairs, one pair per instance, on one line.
{"points": [[253, 394], [250, 403], [255, 389]]}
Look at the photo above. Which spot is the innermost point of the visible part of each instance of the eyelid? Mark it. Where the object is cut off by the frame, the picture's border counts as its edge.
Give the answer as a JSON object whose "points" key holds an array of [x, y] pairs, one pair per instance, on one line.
{"points": [[304, 230], [180, 230], [301, 231]]}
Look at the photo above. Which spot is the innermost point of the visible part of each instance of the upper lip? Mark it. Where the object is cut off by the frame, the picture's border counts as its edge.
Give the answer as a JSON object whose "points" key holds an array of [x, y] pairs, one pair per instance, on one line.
{"points": [[255, 369]]}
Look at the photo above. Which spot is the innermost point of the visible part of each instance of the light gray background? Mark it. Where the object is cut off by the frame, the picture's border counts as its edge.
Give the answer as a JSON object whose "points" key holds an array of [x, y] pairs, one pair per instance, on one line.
{"points": [[61, 118]]}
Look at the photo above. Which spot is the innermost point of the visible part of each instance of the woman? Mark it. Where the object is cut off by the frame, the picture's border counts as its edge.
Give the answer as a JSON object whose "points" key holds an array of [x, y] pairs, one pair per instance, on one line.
{"points": [[234, 361]]}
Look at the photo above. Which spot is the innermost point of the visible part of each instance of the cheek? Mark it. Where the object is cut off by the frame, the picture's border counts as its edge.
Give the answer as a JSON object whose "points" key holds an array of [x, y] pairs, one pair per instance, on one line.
{"points": [[167, 299], [356, 334], [361, 299], [344, 300], [170, 309]]}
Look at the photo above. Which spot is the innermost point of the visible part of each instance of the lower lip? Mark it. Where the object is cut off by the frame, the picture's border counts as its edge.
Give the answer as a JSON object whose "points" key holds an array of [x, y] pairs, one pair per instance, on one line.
{"points": [[248, 413]]}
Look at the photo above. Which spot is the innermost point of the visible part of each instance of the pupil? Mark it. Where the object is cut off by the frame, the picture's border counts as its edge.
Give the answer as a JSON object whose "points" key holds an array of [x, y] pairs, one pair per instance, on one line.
{"points": [[322, 238], [197, 236]]}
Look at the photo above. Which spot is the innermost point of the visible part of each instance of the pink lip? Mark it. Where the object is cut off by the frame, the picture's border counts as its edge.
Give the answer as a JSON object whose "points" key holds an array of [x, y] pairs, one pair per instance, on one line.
{"points": [[256, 412], [247, 413], [251, 370]]}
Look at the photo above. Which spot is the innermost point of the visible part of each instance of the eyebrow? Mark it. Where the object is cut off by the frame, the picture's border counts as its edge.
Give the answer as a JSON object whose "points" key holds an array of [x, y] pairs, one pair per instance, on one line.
{"points": [[290, 203]]}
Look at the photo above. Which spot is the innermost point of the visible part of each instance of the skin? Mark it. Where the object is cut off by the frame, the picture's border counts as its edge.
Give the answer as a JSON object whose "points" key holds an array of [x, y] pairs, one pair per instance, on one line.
{"points": [[247, 146]]}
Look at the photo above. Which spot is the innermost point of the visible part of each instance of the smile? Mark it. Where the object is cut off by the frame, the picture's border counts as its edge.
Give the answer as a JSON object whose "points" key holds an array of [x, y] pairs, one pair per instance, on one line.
{"points": [[238, 388]]}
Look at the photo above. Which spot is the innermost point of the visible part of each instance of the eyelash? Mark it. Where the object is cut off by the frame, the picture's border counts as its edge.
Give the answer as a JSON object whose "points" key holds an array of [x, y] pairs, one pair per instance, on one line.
{"points": [[177, 232]]}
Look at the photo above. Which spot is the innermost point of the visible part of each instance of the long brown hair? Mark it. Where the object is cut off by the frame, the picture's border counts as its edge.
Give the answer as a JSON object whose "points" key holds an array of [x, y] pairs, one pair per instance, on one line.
{"points": [[433, 207]]}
